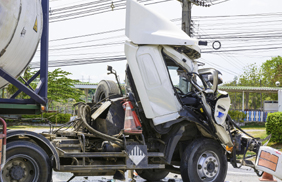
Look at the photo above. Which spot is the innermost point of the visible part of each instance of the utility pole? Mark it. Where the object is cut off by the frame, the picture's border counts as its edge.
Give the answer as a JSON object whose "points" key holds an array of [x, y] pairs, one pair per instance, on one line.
{"points": [[186, 16], [260, 97], [243, 101]]}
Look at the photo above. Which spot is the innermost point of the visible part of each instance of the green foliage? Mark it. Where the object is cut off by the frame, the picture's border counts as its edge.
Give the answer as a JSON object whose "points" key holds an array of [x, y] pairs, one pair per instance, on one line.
{"points": [[11, 89], [61, 88], [251, 76], [274, 126], [265, 76], [272, 71], [255, 124], [237, 115], [61, 118]]}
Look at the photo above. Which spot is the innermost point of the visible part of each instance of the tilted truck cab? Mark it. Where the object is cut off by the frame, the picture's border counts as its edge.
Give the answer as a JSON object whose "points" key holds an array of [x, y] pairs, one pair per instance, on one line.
{"points": [[172, 118]]}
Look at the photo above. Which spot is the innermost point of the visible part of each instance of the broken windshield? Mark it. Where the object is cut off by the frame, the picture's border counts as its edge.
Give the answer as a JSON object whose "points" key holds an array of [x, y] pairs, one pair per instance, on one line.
{"points": [[177, 80]]}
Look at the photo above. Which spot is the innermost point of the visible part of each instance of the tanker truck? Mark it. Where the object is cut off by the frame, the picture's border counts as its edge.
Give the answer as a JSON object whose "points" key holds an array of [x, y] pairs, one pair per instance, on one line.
{"points": [[173, 117]]}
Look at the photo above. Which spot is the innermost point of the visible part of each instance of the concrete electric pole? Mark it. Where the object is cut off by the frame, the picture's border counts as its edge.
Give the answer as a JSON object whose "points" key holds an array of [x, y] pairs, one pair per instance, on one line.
{"points": [[186, 13], [186, 16]]}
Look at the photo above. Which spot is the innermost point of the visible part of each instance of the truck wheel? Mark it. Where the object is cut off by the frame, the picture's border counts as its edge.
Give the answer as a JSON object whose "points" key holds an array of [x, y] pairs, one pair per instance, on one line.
{"points": [[106, 88], [152, 174], [26, 162], [203, 160]]}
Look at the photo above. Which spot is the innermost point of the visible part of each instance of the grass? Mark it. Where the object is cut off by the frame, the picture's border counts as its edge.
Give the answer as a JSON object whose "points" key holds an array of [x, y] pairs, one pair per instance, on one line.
{"points": [[253, 127], [24, 127], [30, 128], [262, 134], [259, 132]]}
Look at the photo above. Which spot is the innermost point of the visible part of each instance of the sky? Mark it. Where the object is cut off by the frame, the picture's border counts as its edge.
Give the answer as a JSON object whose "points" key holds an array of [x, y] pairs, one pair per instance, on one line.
{"points": [[253, 34]]}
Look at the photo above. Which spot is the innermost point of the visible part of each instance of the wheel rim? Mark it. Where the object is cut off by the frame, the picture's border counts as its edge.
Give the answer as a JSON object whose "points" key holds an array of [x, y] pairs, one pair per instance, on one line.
{"points": [[208, 166], [20, 168]]}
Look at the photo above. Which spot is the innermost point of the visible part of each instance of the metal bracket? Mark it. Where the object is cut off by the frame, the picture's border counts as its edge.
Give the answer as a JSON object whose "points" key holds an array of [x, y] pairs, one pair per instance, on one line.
{"points": [[39, 96], [22, 87], [28, 82]]}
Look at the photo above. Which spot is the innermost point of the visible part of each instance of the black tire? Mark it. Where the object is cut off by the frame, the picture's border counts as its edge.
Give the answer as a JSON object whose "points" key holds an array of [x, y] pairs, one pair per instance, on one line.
{"points": [[26, 162], [152, 174], [203, 160], [106, 88]]}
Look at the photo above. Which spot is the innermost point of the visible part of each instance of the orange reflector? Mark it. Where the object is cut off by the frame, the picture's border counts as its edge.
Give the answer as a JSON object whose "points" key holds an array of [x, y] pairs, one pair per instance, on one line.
{"points": [[268, 160], [43, 108], [229, 149]]}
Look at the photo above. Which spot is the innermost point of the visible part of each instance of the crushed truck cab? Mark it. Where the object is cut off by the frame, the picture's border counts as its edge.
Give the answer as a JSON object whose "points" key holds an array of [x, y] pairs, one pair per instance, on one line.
{"points": [[172, 118]]}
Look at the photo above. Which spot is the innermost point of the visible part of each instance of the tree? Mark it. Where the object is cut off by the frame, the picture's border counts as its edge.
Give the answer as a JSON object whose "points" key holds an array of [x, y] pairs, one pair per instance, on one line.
{"points": [[235, 97], [11, 89], [61, 88], [272, 71], [251, 76], [265, 75]]}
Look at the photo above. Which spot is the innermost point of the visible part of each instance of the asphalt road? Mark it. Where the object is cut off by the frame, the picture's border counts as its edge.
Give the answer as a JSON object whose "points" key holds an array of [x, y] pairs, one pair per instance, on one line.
{"points": [[233, 175]]}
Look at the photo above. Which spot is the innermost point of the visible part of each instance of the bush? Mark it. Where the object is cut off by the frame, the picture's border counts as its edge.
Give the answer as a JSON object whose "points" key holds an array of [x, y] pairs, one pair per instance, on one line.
{"points": [[274, 126], [61, 118], [255, 124], [237, 115]]}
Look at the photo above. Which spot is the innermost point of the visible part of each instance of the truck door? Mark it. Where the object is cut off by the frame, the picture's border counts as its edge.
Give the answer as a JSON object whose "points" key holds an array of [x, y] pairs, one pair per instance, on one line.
{"points": [[153, 83]]}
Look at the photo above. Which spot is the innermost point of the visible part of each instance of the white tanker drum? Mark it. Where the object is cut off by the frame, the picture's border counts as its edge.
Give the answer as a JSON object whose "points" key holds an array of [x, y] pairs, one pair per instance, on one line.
{"points": [[20, 33]]}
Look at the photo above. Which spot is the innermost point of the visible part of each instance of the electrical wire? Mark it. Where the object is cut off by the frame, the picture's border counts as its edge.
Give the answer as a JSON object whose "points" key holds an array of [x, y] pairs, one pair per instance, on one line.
{"points": [[69, 62]]}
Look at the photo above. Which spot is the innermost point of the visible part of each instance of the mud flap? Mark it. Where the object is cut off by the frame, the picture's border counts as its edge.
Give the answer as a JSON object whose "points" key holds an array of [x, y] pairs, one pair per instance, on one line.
{"points": [[137, 158]]}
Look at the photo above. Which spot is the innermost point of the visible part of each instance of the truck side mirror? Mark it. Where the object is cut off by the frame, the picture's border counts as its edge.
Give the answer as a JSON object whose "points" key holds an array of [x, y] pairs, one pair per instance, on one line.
{"points": [[219, 81], [110, 69], [212, 77]]}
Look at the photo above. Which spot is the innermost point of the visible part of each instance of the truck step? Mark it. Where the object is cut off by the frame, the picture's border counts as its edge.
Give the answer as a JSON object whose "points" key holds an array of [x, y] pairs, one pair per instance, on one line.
{"points": [[65, 141], [67, 145]]}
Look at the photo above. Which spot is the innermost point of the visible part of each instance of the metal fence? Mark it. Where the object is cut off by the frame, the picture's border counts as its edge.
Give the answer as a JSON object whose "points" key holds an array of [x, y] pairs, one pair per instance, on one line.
{"points": [[258, 116], [62, 109]]}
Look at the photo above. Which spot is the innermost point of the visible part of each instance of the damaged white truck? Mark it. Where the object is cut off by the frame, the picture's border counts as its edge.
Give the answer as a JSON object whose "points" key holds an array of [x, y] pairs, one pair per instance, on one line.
{"points": [[173, 118]]}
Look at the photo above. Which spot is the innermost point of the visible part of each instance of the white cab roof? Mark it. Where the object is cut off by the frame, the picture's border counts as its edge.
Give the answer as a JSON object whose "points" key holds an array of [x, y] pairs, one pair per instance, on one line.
{"points": [[143, 26]]}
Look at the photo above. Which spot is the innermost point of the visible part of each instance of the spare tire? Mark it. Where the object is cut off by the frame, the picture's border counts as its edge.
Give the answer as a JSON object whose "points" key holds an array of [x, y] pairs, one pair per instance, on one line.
{"points": [[106, 88]]}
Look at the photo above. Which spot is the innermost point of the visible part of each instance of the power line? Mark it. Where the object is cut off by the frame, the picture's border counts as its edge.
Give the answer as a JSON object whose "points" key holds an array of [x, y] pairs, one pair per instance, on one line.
{"points": [[87, 46], [95, 40], [84, 10], [78, 6], [118, 5], [245, 15], [87, 35], [230, 61], [244, 37], [221, 67], [84, 54], [249, 36], [82, 61], [235, 50]]}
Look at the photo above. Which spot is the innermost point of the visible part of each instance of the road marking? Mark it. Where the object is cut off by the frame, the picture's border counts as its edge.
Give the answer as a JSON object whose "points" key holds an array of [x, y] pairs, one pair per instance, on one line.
{"points": [[240, 173]]}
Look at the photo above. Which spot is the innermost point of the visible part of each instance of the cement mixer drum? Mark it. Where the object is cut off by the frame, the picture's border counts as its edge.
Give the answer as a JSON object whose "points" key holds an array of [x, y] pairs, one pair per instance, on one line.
{"points": [[20, 33]]}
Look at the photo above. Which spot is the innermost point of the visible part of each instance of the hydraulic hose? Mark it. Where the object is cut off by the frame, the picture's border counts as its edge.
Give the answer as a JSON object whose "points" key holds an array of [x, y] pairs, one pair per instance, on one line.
{"points": [[85, 109], [229, 118]]}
